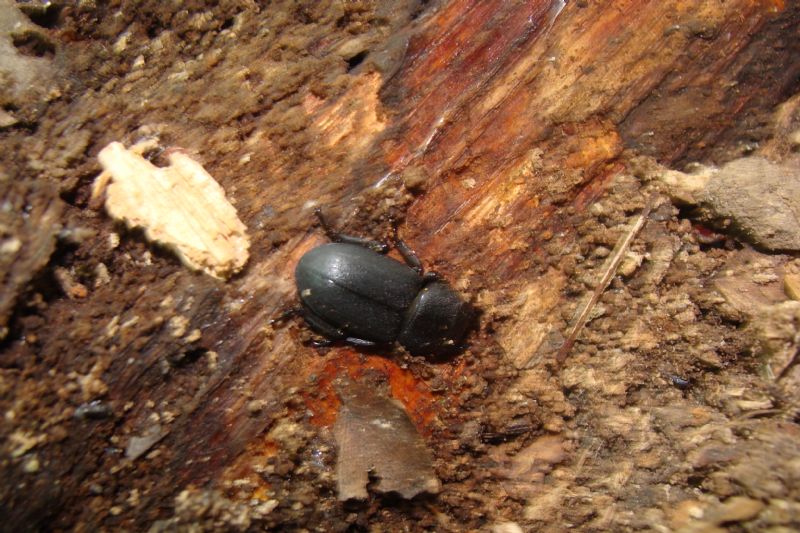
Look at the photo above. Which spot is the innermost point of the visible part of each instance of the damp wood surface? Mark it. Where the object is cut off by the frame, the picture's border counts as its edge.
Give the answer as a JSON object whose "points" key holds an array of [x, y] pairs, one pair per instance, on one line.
{"points": [[516, 143]]}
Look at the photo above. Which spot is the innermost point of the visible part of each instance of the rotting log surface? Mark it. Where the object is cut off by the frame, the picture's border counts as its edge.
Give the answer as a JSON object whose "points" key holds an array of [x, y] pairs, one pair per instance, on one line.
{"points": [[511, 118]]}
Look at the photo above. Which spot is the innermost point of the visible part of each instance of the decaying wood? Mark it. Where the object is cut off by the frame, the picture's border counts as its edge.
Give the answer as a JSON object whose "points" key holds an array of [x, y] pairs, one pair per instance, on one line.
{"points": [[609, 271], [27, 77], [492, 128], [28, 239]]}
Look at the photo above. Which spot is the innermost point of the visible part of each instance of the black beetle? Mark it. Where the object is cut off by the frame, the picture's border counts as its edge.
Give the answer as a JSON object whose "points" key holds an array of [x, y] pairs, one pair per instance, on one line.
{"points": [[350, 291]]}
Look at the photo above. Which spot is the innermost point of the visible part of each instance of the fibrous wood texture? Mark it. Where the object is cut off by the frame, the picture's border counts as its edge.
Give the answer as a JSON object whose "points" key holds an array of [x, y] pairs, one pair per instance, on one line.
{"points": [[504, 135]]}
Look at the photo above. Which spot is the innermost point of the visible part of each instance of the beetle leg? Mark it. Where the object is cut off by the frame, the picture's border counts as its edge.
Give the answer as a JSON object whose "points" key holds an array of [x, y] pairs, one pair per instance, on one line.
{"points": [[332, 333], [409, 256], [375, 246], [428, 277], [322, 327], [321, 343], [287, 314], [324, 343], [359, 342], [316, 323]]}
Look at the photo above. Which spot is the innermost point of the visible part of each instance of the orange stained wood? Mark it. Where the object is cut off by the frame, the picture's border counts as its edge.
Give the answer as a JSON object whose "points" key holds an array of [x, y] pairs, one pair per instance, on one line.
{"points": [[420, 403]]}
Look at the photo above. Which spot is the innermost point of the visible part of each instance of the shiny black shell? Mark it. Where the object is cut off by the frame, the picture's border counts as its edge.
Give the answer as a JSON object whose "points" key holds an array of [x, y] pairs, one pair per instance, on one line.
{"points": [[349, 291]]}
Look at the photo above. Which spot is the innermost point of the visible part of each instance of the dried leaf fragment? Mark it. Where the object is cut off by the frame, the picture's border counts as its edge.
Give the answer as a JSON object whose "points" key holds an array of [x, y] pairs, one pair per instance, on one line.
{"points": [[180, 207], [375, 435]]}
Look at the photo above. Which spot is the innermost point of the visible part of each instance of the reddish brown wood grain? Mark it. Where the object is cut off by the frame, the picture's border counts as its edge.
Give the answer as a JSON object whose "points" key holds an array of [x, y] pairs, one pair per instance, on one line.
{"points": [[518, 113]]}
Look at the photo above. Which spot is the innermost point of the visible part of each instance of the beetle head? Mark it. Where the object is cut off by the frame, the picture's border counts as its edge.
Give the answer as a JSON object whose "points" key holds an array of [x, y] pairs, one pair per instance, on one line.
{"points": [[436, 321]]}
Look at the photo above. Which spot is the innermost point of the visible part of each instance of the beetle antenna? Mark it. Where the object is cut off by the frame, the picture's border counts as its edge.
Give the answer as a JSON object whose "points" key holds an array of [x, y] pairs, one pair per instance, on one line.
{"points": [[332, 235], [335, 236], [286, 315]]}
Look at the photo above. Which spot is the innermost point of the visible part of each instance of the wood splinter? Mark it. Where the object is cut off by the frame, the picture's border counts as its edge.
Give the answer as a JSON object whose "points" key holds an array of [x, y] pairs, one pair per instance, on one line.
{"points": [[612, 265], [180, 207]]}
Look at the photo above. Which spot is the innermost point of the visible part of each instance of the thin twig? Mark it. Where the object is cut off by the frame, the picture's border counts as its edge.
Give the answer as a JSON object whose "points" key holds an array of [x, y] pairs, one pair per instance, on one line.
{"points": [[611, 269], [795, 359]]}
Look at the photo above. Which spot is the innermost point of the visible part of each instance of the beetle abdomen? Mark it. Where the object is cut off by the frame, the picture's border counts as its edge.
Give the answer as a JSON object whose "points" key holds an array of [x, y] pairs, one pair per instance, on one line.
{"points": [[350, 312], [356, 289]]}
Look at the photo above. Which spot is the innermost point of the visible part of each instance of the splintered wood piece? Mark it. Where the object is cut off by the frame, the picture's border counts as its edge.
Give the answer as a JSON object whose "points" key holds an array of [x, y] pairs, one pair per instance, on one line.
{"points": [[609, 270], [180, 207], [375, 435]]}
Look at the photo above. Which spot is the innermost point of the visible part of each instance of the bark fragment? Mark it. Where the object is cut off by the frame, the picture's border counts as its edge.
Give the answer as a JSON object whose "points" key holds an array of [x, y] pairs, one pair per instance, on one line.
{"points": [[375, 435], [756, 197], [29, 221], [28, 74]]}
